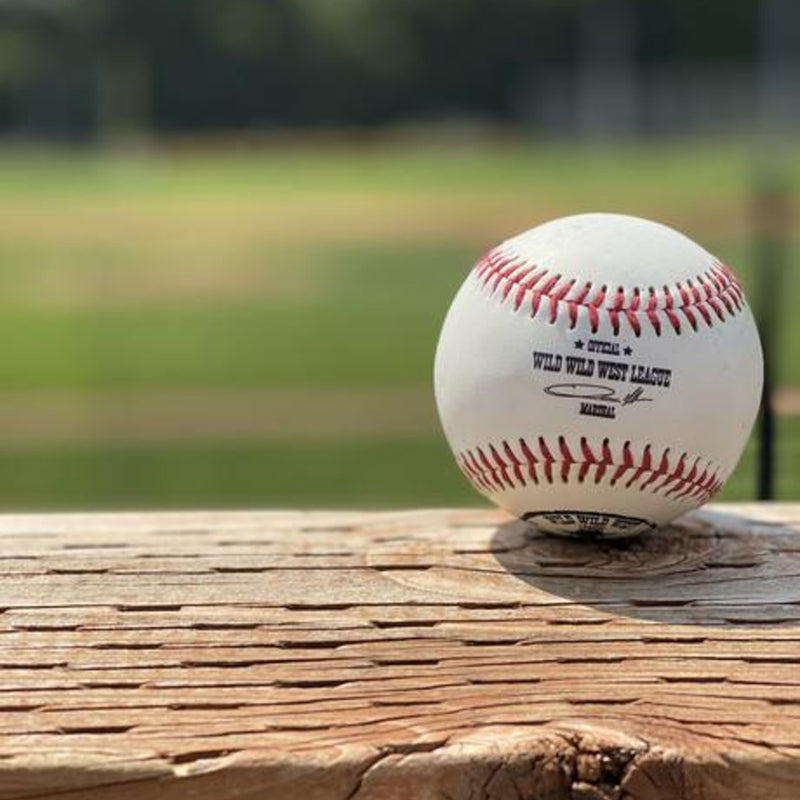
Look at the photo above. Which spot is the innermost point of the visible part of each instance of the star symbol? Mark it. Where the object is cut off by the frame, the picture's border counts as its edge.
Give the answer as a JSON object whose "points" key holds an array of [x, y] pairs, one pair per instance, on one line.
{"points": [[628, 351], [579, 344]]}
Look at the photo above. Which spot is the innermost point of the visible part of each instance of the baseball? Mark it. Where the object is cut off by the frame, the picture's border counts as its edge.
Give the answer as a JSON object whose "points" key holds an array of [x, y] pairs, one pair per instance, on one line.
{"points": [[598, 375]]}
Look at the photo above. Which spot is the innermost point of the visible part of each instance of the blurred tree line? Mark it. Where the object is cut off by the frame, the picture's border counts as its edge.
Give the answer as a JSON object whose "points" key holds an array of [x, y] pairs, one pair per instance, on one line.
{"points": [[83, 69]]}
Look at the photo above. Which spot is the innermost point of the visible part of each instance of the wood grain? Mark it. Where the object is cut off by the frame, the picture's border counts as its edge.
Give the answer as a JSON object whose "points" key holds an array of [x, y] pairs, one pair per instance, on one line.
{"points": [[437, 655]]}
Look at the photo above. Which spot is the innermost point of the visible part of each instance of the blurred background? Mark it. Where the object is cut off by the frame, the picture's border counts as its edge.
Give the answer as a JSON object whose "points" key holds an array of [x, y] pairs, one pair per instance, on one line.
{"points": [[229, 231]]}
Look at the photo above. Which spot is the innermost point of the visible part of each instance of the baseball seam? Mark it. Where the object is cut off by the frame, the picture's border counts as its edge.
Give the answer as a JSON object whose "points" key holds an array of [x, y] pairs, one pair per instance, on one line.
{"points": [[694, 301], [489, 472]]}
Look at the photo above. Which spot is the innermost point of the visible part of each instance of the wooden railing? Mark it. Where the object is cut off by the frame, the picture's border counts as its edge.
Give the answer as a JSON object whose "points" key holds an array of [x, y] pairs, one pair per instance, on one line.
{"points": [[427, 654]]}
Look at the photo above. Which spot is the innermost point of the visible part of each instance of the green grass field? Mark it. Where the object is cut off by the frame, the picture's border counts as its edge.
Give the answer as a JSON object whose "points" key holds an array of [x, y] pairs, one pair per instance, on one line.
{"points": [[305, 268]]}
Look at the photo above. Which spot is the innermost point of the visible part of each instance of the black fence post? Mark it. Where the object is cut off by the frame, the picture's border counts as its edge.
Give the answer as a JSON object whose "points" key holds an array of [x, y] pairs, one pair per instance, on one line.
{"points": [[771, 222]]}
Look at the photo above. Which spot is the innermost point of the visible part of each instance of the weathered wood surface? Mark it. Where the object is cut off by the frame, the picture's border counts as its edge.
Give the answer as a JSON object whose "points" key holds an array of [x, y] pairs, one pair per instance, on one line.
{"points": [[431, 654]]}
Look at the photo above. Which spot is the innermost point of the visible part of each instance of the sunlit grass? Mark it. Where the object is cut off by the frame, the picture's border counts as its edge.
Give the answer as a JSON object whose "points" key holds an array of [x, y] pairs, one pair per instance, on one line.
{"points": [[305, 267], [390, 473]]}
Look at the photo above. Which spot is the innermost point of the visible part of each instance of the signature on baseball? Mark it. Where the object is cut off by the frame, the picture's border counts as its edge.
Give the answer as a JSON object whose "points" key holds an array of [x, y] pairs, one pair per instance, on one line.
{"points": [[597, 392]]}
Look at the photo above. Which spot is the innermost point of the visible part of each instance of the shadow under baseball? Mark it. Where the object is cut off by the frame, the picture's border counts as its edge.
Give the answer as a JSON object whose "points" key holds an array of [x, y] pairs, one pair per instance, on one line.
{"points": [[710, 568]]}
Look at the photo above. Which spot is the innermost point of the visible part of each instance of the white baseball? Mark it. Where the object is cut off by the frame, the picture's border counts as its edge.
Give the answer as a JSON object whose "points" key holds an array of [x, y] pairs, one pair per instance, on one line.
{"points": [[598, 374]]}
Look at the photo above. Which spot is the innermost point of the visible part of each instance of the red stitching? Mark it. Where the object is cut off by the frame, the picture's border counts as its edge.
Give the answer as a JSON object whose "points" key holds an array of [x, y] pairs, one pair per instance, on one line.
{"points": [[713, 296], [547, 460], [531, 459], [502, 466], [642, 472], [644, 466], [567, 459], [492, 480], [588, 460], [509, 285], [473, 474]]}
